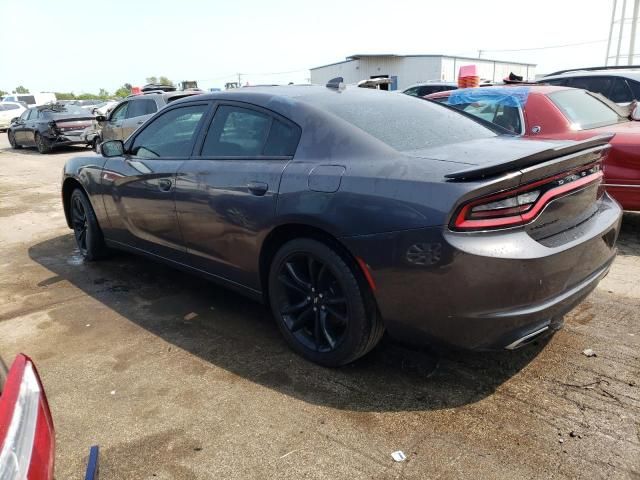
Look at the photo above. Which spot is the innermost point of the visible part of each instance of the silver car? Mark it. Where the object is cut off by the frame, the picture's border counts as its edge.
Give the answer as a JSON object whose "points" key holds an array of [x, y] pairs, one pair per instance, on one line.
{"points": [[132, 112]]}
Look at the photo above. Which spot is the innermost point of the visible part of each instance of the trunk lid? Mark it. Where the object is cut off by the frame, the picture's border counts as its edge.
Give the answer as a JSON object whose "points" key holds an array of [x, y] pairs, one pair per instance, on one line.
{"points": [[547, 187], [65, 125]]}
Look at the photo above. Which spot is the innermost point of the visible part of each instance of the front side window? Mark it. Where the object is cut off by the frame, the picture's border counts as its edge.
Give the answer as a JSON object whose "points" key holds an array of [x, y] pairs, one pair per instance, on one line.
{"points": [[119, 113], [583, 110], [236, 132], [25, 115], [169, 135], [138, 108], [620, 93], [593, 84]]}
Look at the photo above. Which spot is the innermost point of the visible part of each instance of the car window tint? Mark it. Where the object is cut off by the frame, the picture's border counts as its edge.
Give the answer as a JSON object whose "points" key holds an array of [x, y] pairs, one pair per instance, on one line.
{"points": [[594, 84], [138, 108], [120, 112], [620, 93], [503, 115], [635, 89], [170, 134], [557, 81], [411, 91], [583, 110], [282, 139], [401, 122], [25, 115], [29, 99], [236, 132], [33, 114]]}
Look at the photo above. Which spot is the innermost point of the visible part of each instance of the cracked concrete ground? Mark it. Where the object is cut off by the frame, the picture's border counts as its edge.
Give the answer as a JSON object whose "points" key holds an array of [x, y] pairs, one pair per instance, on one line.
{"points": [[221, 396]]}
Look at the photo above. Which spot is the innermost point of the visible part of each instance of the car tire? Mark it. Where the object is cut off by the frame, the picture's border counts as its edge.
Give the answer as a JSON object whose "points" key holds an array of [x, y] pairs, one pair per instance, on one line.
{"points": [[87, 232], [321, 303], [12, 140], [42, 145]]}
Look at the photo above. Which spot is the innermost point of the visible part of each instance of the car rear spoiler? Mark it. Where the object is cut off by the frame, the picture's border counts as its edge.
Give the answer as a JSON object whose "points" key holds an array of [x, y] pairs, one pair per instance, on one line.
{"points": [[487, 170]]}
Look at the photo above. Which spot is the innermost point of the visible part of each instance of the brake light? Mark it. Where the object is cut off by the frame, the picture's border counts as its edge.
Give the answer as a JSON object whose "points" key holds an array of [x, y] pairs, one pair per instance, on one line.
{"points": [[521, 205], [26, 430]]}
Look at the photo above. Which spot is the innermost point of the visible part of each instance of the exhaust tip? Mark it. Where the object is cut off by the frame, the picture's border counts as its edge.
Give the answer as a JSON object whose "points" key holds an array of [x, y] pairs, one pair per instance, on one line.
{"points": [[526, 339]]}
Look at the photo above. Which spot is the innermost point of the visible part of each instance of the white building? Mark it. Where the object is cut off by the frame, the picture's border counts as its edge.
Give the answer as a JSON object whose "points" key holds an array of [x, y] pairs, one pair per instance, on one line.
{"points": [[406, 70]]}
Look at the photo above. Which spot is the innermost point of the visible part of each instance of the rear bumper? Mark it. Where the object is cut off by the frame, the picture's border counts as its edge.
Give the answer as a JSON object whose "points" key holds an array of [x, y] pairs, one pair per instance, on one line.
{"points": [[484, 290], [62, 140]]}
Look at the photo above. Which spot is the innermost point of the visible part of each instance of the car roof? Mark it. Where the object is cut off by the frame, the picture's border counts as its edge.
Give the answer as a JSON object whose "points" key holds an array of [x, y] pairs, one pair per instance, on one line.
{"points": [[631, 74], [435, 84]]}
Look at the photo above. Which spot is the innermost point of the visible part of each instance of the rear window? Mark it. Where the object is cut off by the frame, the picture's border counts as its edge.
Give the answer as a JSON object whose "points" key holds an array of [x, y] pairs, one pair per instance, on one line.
{"points": [[402, 122], [583, 110], [66, 110], [28, 99]]}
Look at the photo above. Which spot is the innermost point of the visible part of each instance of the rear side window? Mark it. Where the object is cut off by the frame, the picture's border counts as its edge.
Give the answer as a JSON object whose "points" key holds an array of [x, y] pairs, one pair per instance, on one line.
{"points": [[593, 84], [170, 134], [400, 121], [282, 140], [236, 132], [138, 108], [635, 89], [620, 92], [503, 115]]}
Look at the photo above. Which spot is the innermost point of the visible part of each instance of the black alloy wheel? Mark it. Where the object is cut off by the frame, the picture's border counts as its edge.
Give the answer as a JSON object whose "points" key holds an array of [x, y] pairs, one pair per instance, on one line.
{"points": [[87, 233], [324, 310], [80, 224], [41, 144], [315, 310]]}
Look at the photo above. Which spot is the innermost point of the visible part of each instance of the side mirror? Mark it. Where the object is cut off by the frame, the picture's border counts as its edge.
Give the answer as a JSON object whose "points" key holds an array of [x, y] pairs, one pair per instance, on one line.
{"points": [[15, 120], [635, 112], [101, 118], [112, 148]]}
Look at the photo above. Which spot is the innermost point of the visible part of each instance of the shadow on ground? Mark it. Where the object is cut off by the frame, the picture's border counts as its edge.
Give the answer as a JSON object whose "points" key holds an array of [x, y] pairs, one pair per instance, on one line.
{"points": [[240, 337]]}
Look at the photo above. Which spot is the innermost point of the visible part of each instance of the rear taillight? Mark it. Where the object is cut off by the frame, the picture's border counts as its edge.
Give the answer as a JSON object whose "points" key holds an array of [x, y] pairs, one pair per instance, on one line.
{"points": [[26, 430], [521, 205]]}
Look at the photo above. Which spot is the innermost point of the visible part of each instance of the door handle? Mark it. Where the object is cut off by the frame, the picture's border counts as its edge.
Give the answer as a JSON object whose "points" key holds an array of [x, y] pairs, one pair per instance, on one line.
{"points": [[140, 122], [257, 188], [164, 184]]}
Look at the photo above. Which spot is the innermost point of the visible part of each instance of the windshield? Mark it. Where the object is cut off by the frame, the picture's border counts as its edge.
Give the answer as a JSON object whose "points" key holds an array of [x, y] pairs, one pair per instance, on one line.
{"points": [[583, 110], [404, 123]]}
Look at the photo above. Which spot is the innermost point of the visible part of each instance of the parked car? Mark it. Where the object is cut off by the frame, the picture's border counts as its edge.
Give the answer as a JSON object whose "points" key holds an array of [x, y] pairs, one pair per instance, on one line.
{"points": [[619, 84], [417, 220], [547, 112], [49, 126], [31, 99], [8, 111], [132, 112], [422, 89], [27, 435], [104, 108], [88, 104]]}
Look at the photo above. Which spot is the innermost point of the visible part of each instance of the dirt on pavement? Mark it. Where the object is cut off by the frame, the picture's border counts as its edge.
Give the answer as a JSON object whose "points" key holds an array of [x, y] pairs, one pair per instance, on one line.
{"points": [[176, 378]]}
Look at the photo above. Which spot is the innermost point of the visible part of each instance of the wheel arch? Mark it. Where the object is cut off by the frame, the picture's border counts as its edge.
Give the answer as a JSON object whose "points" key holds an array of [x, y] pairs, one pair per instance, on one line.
{"points": [[68, 186], [290, 231]]}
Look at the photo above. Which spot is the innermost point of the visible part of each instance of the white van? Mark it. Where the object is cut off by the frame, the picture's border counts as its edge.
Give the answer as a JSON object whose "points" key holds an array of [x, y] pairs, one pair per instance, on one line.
{"points": [[31, 99]]}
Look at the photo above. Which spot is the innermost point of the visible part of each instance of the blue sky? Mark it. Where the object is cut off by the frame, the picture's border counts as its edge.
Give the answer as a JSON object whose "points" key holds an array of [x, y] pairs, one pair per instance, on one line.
{"points": [[82, 46]]}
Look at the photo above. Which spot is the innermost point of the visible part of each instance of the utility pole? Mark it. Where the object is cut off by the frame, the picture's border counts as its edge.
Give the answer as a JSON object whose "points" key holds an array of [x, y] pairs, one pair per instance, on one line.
{"points": [[634, 25], [239, 80], [479, 53]]}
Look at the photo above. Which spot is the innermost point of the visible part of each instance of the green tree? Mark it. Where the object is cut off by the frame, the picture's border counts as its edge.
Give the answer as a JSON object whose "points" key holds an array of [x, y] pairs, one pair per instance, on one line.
{"points": [[152, 79], [3, 93], [103, 93], [21, 89], [165, 81], [123, 91]]}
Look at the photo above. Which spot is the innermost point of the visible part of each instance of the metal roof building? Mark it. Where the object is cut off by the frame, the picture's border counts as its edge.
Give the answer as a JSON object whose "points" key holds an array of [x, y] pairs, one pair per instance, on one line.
{"points": [[405, 70]]}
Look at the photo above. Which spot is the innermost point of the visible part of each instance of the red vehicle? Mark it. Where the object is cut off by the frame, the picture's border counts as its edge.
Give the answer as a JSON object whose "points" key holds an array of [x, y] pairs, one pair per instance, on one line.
{"points": [[562, 113], [27, 438]]}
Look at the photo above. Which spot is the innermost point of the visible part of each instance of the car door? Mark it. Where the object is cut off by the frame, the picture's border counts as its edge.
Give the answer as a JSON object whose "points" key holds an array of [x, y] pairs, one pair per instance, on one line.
{"points": [[112, 127], [20, 128], [140, 110], [226, 193], [139, 187], [31, 127]]}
